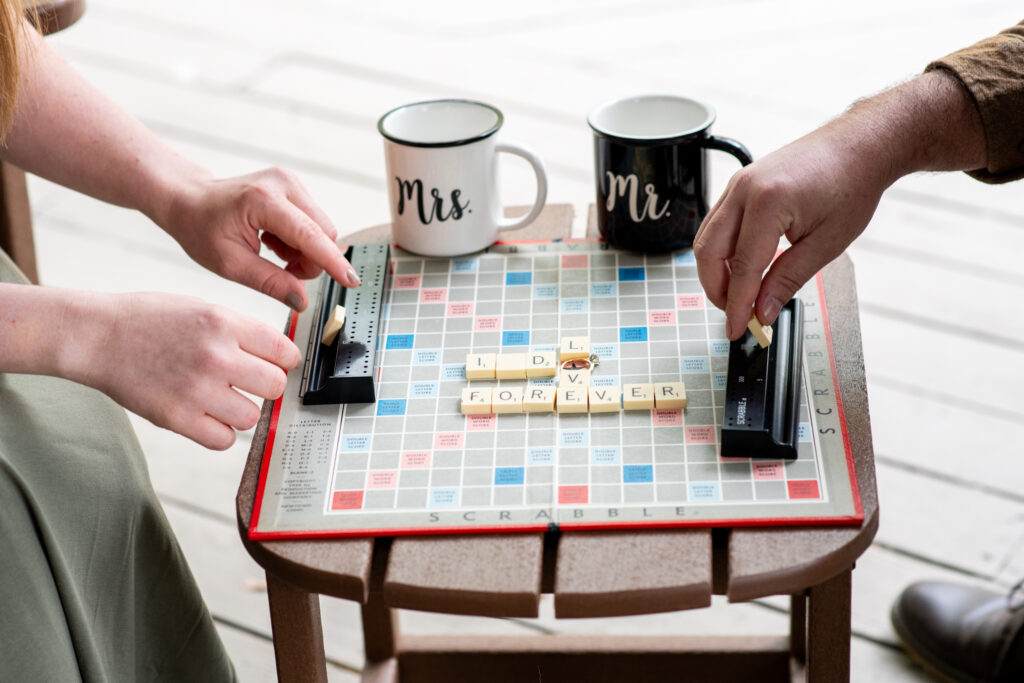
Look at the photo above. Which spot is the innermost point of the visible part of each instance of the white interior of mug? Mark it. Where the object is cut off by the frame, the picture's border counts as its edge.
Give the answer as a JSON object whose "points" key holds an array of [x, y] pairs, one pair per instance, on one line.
{"points": [[651, 117], [440, 122]]}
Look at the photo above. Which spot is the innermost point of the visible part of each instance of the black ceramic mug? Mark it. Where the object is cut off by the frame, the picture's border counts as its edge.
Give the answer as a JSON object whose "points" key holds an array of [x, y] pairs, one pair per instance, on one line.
{"points": [[650, 159]]}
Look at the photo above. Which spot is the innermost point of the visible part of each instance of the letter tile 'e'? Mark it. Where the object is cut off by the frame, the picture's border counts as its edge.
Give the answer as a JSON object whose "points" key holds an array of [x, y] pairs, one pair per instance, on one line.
{"points": [[539, 400], [638, 396], [541, 364], [511, 366], [480, 365], [670, 395], [507, 400], [574, 348], [476, 401], [571, 400], [605, 399]]}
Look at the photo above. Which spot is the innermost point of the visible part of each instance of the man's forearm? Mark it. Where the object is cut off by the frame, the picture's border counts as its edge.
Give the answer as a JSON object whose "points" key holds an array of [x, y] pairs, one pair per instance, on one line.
{"points": [[65, 130], [927, 124]]}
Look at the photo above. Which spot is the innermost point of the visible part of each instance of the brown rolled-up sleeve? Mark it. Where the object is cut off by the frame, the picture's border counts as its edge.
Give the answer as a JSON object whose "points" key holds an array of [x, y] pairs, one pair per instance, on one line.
{"points": [[992, 71]]}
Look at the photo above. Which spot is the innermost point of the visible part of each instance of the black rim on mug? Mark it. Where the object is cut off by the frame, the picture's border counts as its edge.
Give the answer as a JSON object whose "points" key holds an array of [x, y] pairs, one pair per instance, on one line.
{"points": [[666, 136], [442, 143]]}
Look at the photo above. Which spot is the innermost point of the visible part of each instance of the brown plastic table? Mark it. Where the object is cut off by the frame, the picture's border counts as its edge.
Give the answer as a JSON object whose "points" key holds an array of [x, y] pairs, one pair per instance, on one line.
{"points": [[591, 574]]}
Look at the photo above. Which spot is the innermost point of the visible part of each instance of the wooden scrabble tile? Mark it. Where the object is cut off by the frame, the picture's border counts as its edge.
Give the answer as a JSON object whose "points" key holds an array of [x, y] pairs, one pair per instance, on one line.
{"points": [[511, 366], [571, 400], [579, 378], [480, 365], [638, 397], [762, 333], [333, 325], [539, 399], [573, 348], [507, 400], [604, 399], [476, 401], [541, 364], [670, 395]]}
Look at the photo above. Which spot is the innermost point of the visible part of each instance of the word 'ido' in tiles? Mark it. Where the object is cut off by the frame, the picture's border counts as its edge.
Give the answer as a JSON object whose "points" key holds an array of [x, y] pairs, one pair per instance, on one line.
{"points": [[523, 365], [571, 398]]}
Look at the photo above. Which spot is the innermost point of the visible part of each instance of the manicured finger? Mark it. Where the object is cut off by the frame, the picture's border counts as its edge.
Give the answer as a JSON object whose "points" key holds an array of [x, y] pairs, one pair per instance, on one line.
{"points": [[272, 280], [297, 264], [209, 432], [258, 377], [300, 232], [263, 341], [755, 248], [234, 410], [300, 197]]}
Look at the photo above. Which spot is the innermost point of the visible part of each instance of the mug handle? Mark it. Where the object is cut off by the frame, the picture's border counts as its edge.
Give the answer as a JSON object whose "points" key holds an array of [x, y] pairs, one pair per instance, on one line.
{"points": [[731, 146], [542, 186]]}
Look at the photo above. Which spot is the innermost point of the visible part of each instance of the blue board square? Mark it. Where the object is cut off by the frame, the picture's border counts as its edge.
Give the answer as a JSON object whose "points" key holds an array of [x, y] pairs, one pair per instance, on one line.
{"points": [[631, 274], [632, 334], [399, 341], [391, 406], [637, 474], [524, 277], [515, 338], [504, 476]]}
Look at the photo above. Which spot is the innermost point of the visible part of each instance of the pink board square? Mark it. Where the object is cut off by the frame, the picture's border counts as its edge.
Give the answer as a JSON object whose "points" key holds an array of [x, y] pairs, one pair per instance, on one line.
{"points": [[347, 500], [382, 479], [689, 301], [481, 423], [667, 418], [803, 488], [406, 282], [574, 260], [413, 459], [661, 317], [490, 322], [700, 434], [767, 471], [433, 296], [448, 440], [460, 309], [572, 494]]}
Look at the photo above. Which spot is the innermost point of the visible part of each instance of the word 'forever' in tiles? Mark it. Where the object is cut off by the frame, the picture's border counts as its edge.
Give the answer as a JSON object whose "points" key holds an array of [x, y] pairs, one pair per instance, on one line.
{"points": [[573, 393]]}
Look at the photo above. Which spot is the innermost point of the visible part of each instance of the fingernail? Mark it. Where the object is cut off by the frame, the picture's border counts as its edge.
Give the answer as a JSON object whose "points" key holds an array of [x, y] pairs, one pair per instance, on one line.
{"points": [[294, 301], [353, 279], [771, 308]]}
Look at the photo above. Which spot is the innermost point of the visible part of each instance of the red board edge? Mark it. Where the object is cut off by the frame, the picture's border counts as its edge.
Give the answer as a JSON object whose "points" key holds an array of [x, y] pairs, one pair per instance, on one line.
{"points": [[269, 448]]}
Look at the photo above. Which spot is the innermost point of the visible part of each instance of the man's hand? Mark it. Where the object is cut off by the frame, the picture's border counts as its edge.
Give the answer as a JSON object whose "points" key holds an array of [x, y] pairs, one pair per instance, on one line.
{"points": [[177, 361], [821, 191], [220, 224], [817, 192]]}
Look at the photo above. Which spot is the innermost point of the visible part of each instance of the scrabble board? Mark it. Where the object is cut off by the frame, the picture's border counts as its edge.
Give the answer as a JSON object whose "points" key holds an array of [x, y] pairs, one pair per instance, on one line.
{"points": [[412, 463]]}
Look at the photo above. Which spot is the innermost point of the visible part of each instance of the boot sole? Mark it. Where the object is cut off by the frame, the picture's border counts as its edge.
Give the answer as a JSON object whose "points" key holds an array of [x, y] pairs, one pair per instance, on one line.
{"points": [[923, 657]]}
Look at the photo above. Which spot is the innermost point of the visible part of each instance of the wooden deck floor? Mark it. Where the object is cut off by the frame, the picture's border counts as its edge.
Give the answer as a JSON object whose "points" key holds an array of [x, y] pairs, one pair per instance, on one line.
{"points": [[241, 84]]}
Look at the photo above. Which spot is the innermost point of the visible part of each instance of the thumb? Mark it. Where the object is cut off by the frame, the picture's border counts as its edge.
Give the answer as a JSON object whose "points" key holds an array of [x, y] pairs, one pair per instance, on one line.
{"points": [[790, 271], [267, 278]]}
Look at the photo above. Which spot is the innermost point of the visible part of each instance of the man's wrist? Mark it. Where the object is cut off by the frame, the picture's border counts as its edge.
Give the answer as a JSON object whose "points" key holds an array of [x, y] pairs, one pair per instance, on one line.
{"points": [[927, 124]]}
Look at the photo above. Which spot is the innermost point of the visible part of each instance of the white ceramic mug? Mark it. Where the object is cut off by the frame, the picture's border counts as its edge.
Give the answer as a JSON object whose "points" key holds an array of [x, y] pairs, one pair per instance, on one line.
{"points": [[443, 176]]}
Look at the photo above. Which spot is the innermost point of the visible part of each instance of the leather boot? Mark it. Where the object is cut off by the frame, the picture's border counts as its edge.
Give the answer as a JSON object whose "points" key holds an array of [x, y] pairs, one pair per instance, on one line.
{"points": [[963, 633]]}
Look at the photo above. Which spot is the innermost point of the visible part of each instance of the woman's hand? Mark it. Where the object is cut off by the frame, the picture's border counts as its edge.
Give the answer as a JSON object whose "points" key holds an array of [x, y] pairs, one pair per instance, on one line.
{"points": [[177, 361], [221, 223]]}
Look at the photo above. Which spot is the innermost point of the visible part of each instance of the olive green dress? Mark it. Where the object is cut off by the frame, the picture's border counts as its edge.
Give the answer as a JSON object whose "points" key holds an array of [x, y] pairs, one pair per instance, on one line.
{"points": [[93, 585]]}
